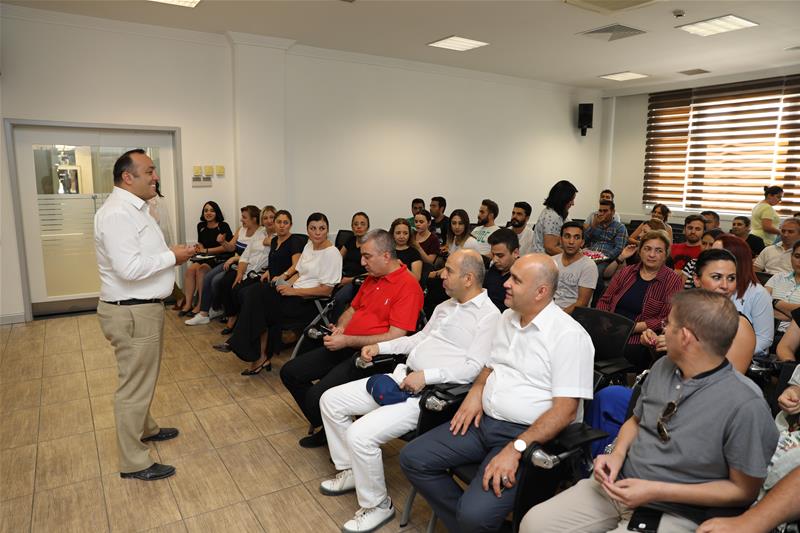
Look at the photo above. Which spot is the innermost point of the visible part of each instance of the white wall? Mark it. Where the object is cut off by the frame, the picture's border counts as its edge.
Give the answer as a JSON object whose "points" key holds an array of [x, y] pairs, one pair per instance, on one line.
{"points": [[303, 128], [628, 143]]}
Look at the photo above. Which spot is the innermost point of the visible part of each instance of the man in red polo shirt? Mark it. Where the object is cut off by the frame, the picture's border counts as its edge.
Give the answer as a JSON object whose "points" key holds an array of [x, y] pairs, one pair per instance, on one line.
{"points": [[684, 252], [386, 307]]}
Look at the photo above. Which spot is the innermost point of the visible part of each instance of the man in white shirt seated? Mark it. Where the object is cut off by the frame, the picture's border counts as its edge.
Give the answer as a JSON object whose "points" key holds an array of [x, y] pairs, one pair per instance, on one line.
{"points": [[452, 348], [539, 370], [486, 226], [776, 258], [577, 274]]}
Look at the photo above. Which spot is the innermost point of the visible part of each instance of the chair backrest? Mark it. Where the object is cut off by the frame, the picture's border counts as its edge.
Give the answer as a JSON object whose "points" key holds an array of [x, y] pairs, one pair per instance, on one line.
{"points": [[303, 237], [609, 331], [342, 236], [763, 277]]}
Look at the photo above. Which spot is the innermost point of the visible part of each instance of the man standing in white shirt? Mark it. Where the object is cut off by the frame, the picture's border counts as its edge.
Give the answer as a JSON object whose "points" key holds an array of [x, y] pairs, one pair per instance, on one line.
{"points": [[136, 274], [520, 216], [539, 370], [453, 347], [486, 226]]}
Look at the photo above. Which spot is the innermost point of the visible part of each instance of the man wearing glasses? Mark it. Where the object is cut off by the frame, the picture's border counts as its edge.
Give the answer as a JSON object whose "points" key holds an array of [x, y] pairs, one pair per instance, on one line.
{"points": [[697, 446]]}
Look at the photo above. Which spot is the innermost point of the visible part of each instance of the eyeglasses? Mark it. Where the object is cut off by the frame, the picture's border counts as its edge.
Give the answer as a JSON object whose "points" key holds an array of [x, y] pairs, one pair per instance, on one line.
{"points": [[669, 411]]}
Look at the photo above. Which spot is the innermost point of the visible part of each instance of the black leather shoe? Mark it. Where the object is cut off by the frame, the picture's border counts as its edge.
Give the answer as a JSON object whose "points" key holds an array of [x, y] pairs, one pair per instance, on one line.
{"points": [[163, 434], [314, 441], [156, 471], [223, 347], [226, 331]]}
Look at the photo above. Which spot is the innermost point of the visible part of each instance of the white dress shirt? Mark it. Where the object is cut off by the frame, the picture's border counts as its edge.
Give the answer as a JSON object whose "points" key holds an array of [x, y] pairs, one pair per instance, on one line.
{"points": [[256, 255], [132, 256], [552, 356], [454, 345]]}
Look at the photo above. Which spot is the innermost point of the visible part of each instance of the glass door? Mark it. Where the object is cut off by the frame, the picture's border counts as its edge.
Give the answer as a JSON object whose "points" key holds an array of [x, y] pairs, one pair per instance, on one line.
{"points": [[65, 175]]}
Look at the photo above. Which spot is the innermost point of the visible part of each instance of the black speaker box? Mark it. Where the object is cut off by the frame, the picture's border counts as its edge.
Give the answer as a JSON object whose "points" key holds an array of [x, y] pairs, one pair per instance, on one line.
{"points": [[585, 112]]}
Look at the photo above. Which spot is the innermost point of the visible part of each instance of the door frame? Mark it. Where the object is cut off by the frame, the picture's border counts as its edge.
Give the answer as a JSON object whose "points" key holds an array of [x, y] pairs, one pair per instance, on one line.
{"points": [[10, 125]]}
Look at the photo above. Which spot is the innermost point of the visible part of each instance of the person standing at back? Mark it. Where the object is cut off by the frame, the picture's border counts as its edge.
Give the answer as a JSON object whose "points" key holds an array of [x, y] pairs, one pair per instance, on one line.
{"points": [[136, 274]]}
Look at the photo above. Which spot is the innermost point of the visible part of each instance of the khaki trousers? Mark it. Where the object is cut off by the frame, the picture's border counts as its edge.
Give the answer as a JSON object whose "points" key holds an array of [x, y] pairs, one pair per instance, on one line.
{"points": [[586, 508], [135, 332]]}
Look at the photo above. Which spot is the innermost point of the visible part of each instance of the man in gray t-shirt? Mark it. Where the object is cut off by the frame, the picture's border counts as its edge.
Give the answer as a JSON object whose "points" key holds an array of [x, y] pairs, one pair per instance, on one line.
{"points": [[577, 274], [698, 443]]}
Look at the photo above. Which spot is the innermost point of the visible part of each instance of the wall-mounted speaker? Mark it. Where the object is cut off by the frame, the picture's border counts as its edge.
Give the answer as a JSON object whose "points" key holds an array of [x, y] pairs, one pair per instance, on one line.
{"points": [[585, 112]]}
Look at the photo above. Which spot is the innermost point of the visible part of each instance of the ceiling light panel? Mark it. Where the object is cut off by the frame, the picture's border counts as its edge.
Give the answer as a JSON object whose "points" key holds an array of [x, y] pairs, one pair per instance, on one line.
{"points": [[623, 76], [460, 44], [181, 3], [724, 24]]}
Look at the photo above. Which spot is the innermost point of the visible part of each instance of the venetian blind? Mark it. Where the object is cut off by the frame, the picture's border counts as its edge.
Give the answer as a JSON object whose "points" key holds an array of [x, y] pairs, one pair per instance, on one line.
{"points": [[717, 147]]}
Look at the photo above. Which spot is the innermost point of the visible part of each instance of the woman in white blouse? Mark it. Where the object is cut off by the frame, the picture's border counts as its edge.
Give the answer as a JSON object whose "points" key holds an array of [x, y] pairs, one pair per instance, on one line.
{"points": [[262, 314]]}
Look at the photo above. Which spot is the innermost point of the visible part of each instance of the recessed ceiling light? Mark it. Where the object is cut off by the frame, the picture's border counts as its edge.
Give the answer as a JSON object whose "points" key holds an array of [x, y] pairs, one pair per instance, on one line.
{"points": [[182, 3], [623, 76], [457, 43], [704, 28]]}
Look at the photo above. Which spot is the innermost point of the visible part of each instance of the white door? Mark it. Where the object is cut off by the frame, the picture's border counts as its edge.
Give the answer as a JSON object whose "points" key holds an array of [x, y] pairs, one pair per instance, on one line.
{"points": [[64, 176]]}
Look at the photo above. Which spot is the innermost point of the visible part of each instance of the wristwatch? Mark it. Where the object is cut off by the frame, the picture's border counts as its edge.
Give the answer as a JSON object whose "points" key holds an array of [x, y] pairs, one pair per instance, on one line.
{"points": [[520, 445]]}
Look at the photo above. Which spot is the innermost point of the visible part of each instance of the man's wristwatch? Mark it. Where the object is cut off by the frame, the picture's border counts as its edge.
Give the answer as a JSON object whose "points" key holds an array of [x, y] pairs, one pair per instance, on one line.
{"points": [[520, 445]]}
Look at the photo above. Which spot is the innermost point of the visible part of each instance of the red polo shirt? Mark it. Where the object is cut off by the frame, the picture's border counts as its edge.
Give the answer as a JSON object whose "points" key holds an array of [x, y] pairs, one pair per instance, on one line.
{"points": [[392, 300]]}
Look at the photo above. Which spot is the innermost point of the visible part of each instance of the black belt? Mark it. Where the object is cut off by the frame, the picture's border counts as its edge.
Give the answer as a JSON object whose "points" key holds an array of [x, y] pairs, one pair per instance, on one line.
{"points": [[134, 301]]}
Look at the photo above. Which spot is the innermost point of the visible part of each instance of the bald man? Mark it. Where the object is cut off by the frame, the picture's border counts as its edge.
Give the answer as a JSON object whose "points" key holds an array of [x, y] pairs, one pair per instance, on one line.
{"points": [[539, 370]]}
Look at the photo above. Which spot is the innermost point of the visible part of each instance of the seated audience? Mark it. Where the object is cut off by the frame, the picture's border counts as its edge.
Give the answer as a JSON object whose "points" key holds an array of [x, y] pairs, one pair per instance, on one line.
{"points": [[520, 216], [603, 234], [642, 292], [486, 225], [711, 219], [386, 307], [441, 222], [212, 235], [648, 226], [683, 252], [505, 250], [408, 255], [284, 254], [706, 242], [426, 242], [453, 347], [699, 441], [751, 298], [789, 347], [458, 234], [741, 228], [659, 212], [251, 233], [351, 264], [417, 205], [547, 231], [605, 194], [775, 258], [716, 272], [539, 371], [577, 274], [785, 290]]}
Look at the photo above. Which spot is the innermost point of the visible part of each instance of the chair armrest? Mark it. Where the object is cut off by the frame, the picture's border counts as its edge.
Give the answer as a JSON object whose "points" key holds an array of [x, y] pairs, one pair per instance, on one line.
{"points": [[381, 359], [569, 442], [444, 395]]}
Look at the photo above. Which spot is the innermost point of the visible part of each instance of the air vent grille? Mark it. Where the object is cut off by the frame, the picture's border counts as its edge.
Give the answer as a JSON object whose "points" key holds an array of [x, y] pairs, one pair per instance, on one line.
{"points": [[612, 32], [694, 71]]}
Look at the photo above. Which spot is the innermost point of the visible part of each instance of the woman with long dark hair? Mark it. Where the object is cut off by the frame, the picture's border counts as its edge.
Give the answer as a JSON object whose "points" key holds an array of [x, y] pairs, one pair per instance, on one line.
{"points": [[547, 233]]}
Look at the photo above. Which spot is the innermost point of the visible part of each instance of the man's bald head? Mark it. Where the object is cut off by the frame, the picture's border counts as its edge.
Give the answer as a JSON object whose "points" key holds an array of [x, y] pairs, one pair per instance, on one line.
{"points": [[462, 277], [533, 281]]}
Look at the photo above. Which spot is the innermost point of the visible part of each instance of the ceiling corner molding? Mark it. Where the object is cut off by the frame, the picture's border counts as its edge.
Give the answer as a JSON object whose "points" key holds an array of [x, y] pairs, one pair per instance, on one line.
{"points": [[263, 41]]}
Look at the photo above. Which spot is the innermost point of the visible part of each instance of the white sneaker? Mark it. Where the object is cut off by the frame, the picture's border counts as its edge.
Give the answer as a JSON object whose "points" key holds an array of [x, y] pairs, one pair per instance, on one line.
{"points": [[214, 313], [344, 482], [369, 519], [197, 320]]}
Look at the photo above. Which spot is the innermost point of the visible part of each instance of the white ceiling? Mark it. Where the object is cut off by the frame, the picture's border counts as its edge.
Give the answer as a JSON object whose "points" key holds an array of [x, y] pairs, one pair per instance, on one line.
{"points": [[534, 39]]}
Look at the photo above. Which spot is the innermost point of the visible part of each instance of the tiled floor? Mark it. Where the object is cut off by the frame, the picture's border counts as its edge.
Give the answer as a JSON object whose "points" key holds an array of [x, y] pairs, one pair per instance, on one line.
{"points": [[239, 467]]}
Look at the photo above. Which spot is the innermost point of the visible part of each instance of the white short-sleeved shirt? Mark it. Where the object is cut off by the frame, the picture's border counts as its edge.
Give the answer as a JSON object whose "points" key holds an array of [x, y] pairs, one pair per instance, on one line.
{"points": [[525, 241], [469, 244], [774, 259], [552, 356], [481, 234], [256, 255], [784, 288], [318, 267]]}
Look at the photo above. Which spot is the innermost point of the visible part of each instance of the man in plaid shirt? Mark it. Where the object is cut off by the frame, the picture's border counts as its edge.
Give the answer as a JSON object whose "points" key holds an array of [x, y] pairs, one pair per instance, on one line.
{"points": [[605, 235]]}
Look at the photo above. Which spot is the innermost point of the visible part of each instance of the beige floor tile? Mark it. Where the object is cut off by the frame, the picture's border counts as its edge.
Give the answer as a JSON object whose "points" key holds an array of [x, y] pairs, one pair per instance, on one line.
{"points": [[177, 347], [175, 527], [246, 387], [27, 332], [226, 425], [108, 454], [187, 367], [94, 342], [204, 392], [134, 505], [165, 375], [193, 331], [272, 415], [67, 460], [62, 363], [236, 518], [24, 349], [20, 368], [15, 515], [292, 509], [103, 411], [204, 343], [222, 363], [102, 381], [168, 400], [193, 438], [19, 428], [201, 484], [99, 358], [63, 419], [57, 389], [74, 508], [307, 464], [17, 466], [287, 397], [61, 327], [20, 395], [257, 468], [58, 345]]}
